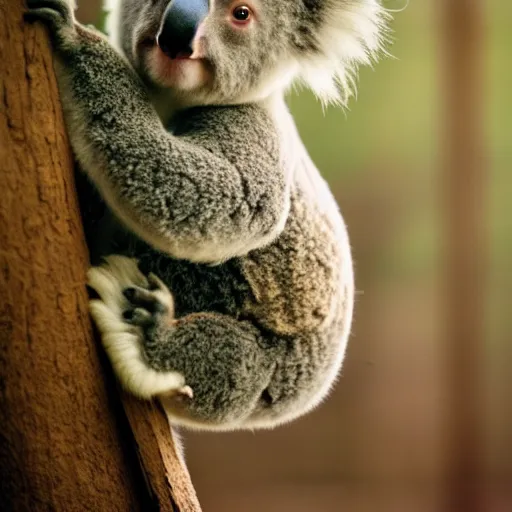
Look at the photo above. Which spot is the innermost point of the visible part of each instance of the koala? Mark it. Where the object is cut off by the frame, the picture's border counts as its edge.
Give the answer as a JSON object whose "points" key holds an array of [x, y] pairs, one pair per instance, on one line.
{"points": [[225, 285]]}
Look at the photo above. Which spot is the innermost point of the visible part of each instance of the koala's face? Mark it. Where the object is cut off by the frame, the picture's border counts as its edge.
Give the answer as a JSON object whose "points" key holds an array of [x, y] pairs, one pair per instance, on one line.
{"points": [[230, 51]]}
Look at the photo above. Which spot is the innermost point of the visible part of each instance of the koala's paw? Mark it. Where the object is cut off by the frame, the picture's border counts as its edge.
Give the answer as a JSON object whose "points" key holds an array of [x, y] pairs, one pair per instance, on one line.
{"points": [[123, 338], [57, 15], [150, 306]]}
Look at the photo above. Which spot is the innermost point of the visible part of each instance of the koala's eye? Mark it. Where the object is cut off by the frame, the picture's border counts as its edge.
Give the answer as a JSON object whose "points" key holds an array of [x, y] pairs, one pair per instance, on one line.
{"points": [[241, 14]]}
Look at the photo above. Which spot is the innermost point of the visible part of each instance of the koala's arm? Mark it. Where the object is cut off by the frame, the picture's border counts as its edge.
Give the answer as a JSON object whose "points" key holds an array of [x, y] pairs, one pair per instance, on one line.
{"points": [[211, 190]]}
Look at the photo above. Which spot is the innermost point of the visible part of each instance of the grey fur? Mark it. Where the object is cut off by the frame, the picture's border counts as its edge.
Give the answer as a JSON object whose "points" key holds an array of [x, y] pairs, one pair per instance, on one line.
{"points": [[223, 204]]}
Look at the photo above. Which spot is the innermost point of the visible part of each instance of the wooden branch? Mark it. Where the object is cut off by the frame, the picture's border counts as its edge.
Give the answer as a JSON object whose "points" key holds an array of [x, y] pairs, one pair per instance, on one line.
{"points": [[65, 443], [167, 476]]}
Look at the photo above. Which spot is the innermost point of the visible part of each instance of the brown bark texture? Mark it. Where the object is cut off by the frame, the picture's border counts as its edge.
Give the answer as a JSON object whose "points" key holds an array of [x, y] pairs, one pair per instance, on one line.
{"points": [[65, 442]]}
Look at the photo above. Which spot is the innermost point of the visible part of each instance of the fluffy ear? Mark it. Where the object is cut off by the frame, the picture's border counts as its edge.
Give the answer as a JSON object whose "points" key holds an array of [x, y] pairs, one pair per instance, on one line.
{"points": [[348, 33]]}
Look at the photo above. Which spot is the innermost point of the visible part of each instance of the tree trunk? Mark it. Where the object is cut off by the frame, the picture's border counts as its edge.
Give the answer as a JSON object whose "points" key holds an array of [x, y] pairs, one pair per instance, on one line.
{"points": [[65, 442], [464, 258], [89, 12]]}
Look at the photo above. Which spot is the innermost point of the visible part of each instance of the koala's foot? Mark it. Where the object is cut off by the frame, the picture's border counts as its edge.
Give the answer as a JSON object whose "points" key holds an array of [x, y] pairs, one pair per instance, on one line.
{"points": [[150, 306], [129, 304]]}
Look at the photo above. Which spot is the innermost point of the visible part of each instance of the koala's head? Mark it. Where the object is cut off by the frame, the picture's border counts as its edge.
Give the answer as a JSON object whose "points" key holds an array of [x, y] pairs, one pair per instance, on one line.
{"points": [[232, 51]]}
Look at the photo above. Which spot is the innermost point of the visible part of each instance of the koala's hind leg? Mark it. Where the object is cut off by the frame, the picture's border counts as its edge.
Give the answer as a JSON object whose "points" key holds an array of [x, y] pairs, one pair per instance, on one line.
{"points": [[121, 338], [217, 365]]}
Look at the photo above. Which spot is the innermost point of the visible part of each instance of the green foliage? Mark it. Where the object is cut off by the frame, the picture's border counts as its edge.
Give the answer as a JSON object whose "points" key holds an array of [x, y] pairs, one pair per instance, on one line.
{"points": [[101, 24]]}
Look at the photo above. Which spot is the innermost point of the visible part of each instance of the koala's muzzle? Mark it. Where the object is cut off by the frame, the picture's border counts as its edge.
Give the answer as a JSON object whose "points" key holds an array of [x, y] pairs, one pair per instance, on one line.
{"points": [[180, 23]]}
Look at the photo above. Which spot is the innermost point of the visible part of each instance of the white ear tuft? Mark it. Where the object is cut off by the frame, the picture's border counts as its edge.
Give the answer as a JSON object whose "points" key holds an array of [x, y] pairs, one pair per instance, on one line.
{"points": [[353, 34]]}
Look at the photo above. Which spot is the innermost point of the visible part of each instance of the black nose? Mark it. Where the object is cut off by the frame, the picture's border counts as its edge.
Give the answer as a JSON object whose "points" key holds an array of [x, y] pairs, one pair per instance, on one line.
{"points": [[180, 22]]}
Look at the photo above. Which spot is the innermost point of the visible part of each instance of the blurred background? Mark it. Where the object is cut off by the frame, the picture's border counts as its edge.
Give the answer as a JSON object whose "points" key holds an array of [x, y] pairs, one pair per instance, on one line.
{"points": [[421, 418]]}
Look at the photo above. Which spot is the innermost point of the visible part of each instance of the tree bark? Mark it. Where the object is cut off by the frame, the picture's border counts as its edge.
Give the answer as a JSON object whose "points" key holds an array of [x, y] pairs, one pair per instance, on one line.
{"points": [[65, 442]]}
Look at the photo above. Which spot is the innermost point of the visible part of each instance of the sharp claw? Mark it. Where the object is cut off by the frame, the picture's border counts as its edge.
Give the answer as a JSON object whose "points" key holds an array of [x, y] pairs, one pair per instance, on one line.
{"points": [[186, 391], [180, 394]]}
